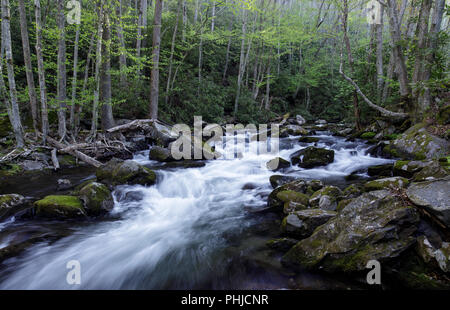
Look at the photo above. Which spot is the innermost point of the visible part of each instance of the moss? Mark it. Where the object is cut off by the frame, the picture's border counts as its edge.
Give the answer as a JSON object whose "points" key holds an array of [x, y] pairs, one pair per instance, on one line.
{"points": [[97, 198], [67, 160], [396, 182], [287, 196], [60, 206], [330, 191], [393, 136], [342, 204], [308, 139], [7, 170], [388, 149], [368, 135]]}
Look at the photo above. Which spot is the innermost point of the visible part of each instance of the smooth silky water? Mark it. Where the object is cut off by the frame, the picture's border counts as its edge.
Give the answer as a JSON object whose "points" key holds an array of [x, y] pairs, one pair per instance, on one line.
{"points": [[197, 228]]}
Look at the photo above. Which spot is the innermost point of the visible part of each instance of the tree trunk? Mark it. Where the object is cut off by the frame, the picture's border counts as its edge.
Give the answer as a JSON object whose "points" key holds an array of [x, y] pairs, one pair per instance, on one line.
{"points": [[107, 119], [122, 53], [41, 71], [14, 114], [241, 61], [28, 66], [74, 81], [172, 50], [154, 95], [61, 75], [227, 57], [213, 15], [379, 52]]}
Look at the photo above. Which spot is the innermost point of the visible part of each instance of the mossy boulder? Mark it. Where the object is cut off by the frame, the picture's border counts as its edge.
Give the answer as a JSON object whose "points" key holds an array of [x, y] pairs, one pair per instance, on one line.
{"points": [[380, 170], [417, 143], [311, 157], [432, 171], [277, 163], [117, 172], [273, 201], [443, 117], [326, 198], [352, 191], [55, 206], [433, 196], [292, 196], [281, 244], [301, 224], [67, 161], [296, 130], [375, 225], [292, 206], [11, 204], [278, 180], [9, 170], [368, 135], [97, 198], [386, 183], [407, 168], [160, 154]]}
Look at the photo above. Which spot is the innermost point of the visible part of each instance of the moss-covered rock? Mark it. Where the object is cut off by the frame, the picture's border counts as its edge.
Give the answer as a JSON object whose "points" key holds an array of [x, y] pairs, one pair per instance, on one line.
{"points": [[296, 130], [326, 198], [352, 191], [311, 157], [278, 180], [277, 163], [301, 224], [432, 171], [160, 154], [292, 206], [375, 225], [308, 139], [281, 244], [434, 196], [380, 170], [292, 196], [97, 198], [55, 206], [8, 170], [117, 172], [443, 117], [368, 135], [386, 183], [11, 204], [273, 201], [67, 161], [417, 143], [407, 168]]}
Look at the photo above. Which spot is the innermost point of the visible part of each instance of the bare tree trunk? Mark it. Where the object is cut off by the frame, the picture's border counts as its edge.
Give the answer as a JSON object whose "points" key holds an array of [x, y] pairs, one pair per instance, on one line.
{"points": [[28, 66], [98, 61], [122, 53], [227, 57], [213, 15], [41, 71], [184, 20], [267, 100], [61, 75], [74, 80], [154, 95], [379, 52], [196, 11], [14, 114], [421, 34], [172, 50], [241, 61], [390, 75], [105, 73]]}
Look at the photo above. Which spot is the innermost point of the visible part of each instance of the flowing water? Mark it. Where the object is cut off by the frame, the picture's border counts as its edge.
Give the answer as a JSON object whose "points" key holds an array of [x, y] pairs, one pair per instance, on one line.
{"points": [[196, 228]]}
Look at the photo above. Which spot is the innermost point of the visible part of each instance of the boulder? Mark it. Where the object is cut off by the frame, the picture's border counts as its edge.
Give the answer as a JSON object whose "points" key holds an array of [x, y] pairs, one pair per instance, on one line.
{"points": [[432, 171], [300, 120], [63, 184], [292, 206], [380, 170], [407, 168], [97, 198], [386, 183], [296, 130], [301, 224], [160, 154], [292, 196], [375, 225], [417, 143], [352, 191], [10, 204], [311, 157], [326, 198], [117, 172], [321, 122], [278, 180], [443, 117], [434, 196], [281, 244], [55, 206], [274, 201], [277, 163], [308, 139]]}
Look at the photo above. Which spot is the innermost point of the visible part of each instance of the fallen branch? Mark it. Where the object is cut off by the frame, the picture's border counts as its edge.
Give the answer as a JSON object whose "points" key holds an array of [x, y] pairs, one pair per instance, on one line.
{"points": [[383, 111], [83, 157], [136, 124], [55, 160]]}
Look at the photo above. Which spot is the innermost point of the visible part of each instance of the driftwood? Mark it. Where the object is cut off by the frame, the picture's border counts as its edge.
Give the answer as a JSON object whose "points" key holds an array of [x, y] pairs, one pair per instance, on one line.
{"points": [[81, 156], [55, 160]]}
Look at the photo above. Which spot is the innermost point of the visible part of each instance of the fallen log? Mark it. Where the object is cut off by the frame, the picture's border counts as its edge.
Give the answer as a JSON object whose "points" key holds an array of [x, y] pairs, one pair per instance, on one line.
{"points": [[55, 160], [81, 156], [136, 124]]}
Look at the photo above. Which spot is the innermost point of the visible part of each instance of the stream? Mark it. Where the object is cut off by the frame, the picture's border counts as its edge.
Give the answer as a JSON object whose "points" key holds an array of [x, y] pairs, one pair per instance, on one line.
{"points": [[197, 228]]}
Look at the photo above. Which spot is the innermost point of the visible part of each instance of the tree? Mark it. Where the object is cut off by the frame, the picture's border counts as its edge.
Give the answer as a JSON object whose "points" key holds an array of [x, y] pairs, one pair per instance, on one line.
{"points": [[154, 94], [61, 73]]}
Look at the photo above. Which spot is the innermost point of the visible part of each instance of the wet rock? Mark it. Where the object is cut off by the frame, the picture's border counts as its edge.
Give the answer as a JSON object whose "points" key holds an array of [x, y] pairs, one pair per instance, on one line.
{"points": [[292, 206], [296, 130], [117, 172], [274, 201], [302, 224], [314, 186], [10, 204], [386, 183], [326, 198], [162, 135], [321, 122], [300, 120], [311, 157], [30, 165], [63, 184], [352, 191], [281, 244], [292, 196], [160, 154], [434, 196], [55, 206], [380, 170], [97, 198], [277, 163], [308, 139], [433, 170], [278, 180], [417, 143], [375, 225], [407, 168]]}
